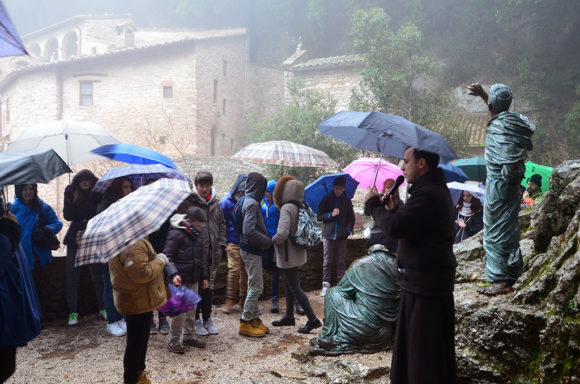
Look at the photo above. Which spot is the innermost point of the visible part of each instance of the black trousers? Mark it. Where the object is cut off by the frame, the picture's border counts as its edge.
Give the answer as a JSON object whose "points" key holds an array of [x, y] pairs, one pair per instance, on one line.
{"points": [[7, 362], [294, 293], [137, 338], [204, 307]]}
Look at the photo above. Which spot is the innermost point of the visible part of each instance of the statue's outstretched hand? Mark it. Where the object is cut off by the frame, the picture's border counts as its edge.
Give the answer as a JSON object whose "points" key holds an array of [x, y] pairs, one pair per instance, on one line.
{"points": [[476, 89]]}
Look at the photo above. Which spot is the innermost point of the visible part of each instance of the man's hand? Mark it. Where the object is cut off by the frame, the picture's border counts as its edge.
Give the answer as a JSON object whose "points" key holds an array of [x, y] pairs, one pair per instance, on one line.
{"points": [[392, 203], [476, 89], [176, 280], [370, 194], [335, 212], [204, 284]]}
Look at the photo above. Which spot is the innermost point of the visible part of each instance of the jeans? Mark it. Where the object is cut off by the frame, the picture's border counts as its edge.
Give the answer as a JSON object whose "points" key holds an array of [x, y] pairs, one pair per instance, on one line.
{"points": [[255, 285], [72, 281], [237, 285], [334, 253], [136, 350], [112, 315], [183, 322], [295, 293], [276, 282]]}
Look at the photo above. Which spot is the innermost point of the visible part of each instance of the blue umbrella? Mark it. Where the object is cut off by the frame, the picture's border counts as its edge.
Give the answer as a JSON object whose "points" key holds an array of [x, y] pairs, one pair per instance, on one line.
{"points": [[322, 186], [453, 173], [133, 154], [10, 43], [387, 134]]}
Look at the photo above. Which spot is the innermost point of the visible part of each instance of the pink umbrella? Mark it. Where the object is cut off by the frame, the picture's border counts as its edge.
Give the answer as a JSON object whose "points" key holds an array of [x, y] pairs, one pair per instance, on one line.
{"points": [[364, 169]]}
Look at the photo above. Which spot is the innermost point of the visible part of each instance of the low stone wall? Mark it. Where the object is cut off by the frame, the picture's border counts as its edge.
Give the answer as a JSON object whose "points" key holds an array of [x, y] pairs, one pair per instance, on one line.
{"points": [[52, 292]]}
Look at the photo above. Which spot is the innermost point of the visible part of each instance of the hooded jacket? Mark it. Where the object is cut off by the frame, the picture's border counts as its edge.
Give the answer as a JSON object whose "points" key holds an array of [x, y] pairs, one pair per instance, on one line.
{"points": [[270, 211], [288, 255], [254, 238], [27, 217], [215, 228], [228, 205], [20, 320], [185, 252], [81, 211], [338, 227]]}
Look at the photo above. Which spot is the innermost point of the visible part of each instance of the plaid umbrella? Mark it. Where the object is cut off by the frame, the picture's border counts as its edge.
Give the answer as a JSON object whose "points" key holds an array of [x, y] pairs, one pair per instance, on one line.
{"points": [[129, 220], [285, 153], [138, 174]]}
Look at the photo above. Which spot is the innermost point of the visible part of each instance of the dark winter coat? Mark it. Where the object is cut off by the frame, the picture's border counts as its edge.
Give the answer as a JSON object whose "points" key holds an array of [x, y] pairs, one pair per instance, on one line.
{"points": [[255, 238], [474, 224], [185, 253], [81, 211], [228, 205], [341, 226], [19, 308], [424, 228]]}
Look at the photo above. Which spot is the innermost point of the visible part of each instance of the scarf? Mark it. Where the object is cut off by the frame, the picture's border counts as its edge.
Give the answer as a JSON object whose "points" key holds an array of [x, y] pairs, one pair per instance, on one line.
{"points": [[465, 210], [190, 229]]}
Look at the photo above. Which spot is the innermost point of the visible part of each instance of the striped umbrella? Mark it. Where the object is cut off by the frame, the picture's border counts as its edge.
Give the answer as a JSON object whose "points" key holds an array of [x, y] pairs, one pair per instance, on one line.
{"points": [[138, 174], [129, 220], [284, 153]]}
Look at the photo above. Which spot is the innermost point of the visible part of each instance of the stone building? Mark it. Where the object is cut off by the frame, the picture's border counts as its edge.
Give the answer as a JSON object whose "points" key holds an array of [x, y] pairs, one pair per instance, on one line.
{"points": [[177, 91]]}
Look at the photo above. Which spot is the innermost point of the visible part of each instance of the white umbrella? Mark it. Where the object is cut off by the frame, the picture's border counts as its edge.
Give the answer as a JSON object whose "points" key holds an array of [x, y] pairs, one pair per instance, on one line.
{"points": [[72, 140], [455, 189]]}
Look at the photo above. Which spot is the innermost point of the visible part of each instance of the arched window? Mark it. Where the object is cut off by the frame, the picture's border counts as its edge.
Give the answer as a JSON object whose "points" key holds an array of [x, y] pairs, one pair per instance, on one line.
{"points": [[51, 50], [70, 46]]}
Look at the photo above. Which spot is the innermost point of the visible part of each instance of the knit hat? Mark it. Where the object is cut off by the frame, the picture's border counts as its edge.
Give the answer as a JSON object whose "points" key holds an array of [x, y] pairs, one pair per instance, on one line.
{"points": [[536, 179], [195, 214], [340, 181]]}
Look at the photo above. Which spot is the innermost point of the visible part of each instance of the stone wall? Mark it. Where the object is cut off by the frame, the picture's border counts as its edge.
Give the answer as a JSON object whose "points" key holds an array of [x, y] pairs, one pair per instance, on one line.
{"points": [[52, 294], [265, 93]]}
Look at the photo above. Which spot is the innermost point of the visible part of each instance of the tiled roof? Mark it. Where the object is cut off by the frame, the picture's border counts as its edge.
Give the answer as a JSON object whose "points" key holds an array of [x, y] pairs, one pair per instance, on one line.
{"points": [[475, 123], [330, 62]]}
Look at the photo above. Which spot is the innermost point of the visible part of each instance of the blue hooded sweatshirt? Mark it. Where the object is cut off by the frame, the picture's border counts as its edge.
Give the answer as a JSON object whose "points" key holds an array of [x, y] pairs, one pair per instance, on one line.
{"points": [[270, 212], [228, 205]]}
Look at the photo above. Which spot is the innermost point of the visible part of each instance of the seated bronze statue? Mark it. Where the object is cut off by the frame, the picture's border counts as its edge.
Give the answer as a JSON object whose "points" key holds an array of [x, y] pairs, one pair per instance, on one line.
{"points": [[360, 312]]}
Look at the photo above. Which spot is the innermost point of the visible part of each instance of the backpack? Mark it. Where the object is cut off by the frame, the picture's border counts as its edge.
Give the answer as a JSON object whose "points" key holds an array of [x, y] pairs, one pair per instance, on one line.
{"points": [[308, 232], [237, 218]]}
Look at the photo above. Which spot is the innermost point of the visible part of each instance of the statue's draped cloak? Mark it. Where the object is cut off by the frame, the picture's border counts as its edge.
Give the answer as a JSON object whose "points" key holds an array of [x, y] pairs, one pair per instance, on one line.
{"points": [[508, 140]]}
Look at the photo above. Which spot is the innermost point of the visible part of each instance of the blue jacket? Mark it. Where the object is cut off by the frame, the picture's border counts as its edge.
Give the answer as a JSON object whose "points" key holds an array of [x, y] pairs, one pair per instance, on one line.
{"points": [[19, 308], [228, 205], [27, 219], [270, 212]]}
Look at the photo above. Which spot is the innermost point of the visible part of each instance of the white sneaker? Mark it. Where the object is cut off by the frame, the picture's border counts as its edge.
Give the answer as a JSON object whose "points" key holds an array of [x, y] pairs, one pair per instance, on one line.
{"points": [[325, 287], [210, 326], [115, 330], [200, 329], [122, 324]]}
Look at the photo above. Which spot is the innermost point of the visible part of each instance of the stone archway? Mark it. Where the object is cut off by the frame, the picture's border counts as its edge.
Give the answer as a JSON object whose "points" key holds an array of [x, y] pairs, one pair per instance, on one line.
{"points": [[51, 50], [70, 45]]}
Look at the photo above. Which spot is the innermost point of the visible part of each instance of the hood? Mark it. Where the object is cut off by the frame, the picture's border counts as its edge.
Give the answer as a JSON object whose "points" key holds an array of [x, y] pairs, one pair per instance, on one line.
{"points": [[176, 220], [270, 189], [288, 189], [256, 185], [197, 196], [84, 174], [238, 187]]}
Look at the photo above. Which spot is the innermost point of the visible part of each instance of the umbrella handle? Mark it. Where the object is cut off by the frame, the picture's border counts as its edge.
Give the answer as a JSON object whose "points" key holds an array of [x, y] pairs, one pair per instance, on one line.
{"points": [[377, 172]]}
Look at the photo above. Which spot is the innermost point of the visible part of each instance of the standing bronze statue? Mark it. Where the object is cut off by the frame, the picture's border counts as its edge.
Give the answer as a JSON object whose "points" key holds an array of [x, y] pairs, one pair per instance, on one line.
{"points": [[508, 140]]}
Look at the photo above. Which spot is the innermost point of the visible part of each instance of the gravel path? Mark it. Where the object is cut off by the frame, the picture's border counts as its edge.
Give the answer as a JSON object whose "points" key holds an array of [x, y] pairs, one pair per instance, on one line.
{"points": [[87, 354]]}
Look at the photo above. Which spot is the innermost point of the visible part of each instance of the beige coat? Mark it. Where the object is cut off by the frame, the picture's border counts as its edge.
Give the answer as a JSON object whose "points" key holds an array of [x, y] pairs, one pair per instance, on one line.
{"points": [[137, 278], [290, 190]]}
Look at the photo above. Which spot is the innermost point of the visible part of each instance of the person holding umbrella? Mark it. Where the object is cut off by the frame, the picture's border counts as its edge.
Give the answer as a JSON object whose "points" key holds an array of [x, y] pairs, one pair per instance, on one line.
{"points": [[337, 215], [424, 348], [469, 216]]}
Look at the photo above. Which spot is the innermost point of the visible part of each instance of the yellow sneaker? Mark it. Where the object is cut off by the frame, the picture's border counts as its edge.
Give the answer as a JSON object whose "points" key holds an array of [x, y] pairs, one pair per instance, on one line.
{"points": [[258, 324], [143, 379], [247, 328]]}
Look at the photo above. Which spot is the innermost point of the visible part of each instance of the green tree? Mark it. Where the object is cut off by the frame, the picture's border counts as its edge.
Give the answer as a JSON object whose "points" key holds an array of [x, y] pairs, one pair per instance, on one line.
{"points": [[298, 122], [398, 76]]}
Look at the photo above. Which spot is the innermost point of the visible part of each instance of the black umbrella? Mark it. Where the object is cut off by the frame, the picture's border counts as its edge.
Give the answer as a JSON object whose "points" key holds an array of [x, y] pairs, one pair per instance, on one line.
{"points": [[33, 166], [387, 134]]}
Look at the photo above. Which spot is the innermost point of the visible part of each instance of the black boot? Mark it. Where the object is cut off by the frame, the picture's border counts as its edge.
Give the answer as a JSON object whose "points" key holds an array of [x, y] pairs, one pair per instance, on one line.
{"points": [[284, 322], [310, 325]]}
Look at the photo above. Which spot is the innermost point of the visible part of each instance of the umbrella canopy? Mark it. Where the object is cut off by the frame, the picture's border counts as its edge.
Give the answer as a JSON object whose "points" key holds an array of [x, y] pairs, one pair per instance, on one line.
{"points": [[388, 134], [10, 43], [364, 169], [287, 153], [453, 173], [543, 170], [33, 166], [129, 220], [138, 174], [133, 154], [473, 167], [322, 186], [456, 188], [72, 140]]}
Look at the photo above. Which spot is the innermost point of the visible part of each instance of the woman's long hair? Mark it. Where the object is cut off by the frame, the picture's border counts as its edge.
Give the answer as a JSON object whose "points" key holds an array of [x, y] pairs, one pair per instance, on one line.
{"points": [[476, 206], [35, 202], [115, 191]]}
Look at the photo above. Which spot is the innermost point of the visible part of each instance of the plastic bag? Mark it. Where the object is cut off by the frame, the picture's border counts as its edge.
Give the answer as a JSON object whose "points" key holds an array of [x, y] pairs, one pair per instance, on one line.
{"points": [[182, 300]]}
